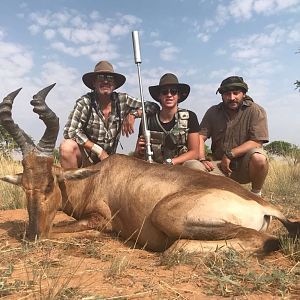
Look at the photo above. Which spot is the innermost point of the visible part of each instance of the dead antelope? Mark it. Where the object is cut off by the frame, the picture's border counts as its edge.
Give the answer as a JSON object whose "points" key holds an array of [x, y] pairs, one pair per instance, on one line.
{"points": [[152, 204]]}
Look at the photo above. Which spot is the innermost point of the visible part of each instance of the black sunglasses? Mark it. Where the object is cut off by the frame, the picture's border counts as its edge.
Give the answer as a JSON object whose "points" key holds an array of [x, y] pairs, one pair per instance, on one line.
{"points": [[104, 77], [172, 91]]}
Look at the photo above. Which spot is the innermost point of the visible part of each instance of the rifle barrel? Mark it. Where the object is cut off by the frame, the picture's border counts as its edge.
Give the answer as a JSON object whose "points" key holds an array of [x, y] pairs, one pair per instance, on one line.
{"points": [[138, 61]]}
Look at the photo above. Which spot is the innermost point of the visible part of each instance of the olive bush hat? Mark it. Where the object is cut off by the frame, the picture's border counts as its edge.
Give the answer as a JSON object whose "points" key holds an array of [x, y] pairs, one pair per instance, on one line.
{"points": [[103, 67], [231, 83], [169, 79]]}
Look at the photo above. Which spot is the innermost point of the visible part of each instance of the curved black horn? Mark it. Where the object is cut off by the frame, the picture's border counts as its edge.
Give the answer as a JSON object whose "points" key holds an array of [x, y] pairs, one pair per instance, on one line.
{"points": [[47, 142], [20, 137]]}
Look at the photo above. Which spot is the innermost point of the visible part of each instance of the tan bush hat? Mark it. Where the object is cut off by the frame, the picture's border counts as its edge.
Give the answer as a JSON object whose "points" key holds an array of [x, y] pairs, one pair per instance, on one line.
{"points": [[103, 67]]}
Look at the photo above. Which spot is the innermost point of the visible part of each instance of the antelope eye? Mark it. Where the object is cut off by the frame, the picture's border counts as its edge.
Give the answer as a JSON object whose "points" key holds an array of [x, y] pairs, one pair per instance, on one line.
{"points": [[49, 187]]}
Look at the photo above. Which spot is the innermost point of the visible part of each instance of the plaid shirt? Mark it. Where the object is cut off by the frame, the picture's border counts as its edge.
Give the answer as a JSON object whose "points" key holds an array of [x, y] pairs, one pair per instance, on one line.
{"points": [[82, 129]]}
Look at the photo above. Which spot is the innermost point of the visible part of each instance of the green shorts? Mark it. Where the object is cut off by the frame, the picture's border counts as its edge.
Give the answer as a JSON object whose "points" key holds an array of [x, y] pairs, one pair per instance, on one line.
{"points": [[241, 172], [239, 166]]}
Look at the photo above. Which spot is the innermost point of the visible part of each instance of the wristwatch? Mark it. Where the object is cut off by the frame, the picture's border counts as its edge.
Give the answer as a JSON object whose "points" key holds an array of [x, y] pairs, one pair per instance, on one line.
{"points": [[229, 154], [169, 161]]}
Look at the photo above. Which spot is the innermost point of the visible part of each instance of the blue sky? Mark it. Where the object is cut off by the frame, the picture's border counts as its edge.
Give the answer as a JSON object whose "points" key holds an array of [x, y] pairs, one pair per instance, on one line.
{"points": [[201, 41]]}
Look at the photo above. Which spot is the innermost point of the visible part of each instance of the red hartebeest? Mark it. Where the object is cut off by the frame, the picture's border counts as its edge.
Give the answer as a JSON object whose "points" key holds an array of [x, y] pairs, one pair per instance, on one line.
{"points": [[152, 204]]}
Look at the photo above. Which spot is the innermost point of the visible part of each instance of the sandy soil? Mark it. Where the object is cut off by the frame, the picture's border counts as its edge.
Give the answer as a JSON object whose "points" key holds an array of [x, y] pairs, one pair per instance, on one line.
{"points": [[89, 265]]}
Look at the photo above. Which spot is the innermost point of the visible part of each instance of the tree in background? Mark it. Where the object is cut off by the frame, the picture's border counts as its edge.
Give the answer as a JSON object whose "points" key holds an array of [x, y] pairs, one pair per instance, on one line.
{"points": [[7, 144], [284, 149]]}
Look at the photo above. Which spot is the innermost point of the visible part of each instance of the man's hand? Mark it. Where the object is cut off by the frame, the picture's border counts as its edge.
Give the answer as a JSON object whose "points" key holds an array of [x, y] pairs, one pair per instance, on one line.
{"points": [[207, 164], [140, 146], [225, 165], [128, 125]]}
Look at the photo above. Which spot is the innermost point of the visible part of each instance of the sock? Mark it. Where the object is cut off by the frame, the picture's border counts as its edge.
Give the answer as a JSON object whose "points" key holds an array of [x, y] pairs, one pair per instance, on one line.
{"points": [[256, 192]]}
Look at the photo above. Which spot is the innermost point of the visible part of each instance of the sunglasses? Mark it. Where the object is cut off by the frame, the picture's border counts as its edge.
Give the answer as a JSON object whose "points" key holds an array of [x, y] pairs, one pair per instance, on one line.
{"points": [[172, 91], [104, 77]]}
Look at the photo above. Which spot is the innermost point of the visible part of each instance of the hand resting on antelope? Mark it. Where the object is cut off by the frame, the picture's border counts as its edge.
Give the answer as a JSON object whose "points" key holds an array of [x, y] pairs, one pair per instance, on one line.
{"points": [[154, 205]]}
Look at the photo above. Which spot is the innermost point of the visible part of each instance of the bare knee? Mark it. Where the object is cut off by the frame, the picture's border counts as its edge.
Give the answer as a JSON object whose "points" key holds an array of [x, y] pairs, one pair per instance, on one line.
{"points": [[69, 154], [68, 147], [259, 161]]}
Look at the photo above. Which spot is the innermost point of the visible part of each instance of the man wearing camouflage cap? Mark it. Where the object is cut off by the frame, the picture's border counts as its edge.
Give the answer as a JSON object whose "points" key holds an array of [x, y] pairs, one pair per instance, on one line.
{"points": [[238, 128]]}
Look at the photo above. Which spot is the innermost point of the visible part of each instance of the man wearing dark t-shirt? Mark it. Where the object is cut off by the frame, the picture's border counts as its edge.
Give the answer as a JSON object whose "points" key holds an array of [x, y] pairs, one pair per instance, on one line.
{"points": [[173, 131]]}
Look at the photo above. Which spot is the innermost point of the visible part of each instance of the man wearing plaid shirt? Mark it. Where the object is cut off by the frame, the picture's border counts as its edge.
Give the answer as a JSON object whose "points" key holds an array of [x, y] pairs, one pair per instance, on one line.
{"points": [[93, 128]]}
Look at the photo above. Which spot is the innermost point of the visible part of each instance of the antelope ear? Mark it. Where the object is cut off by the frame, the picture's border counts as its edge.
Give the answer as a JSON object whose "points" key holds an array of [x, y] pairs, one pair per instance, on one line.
{"points": [[80, 173], [14, 179]]}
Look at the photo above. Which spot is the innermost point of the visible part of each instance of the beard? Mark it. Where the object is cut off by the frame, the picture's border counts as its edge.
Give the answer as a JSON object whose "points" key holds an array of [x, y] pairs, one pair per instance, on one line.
{"points": [[105, 91], [232, 105]]}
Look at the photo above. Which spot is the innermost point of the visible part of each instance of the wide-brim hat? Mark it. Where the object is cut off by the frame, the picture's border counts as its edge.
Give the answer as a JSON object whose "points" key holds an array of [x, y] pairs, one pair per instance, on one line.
{"points": [[167, 80], [105, 68], [231, 83]]}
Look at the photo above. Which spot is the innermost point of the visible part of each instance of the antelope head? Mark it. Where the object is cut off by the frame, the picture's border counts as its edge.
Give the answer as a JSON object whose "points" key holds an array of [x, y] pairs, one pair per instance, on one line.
{"points": [[40, 177]]}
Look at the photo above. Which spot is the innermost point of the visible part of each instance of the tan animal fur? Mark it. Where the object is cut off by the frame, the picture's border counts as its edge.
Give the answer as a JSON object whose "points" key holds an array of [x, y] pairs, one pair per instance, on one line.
{"points": [[154, 205]]}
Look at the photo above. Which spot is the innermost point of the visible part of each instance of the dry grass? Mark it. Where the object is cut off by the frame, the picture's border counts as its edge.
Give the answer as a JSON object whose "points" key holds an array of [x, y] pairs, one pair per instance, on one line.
{"points": [[69, 269], [11, 196], [42, 276], [283, 184], [179, 257], [291, 247], [231, 273], [119, 265]]}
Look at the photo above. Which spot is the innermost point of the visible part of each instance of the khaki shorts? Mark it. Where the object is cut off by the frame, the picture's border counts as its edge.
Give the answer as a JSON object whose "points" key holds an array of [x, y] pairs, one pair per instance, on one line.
{"points": [[239, 166]]}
